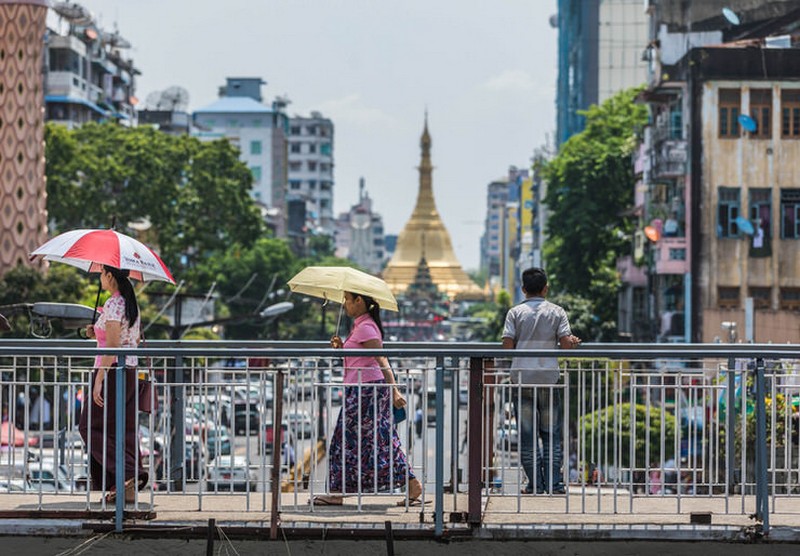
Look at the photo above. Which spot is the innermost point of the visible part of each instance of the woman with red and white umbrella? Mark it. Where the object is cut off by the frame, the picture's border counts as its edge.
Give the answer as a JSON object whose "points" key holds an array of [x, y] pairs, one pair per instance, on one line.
{"points": [[117, 257]]}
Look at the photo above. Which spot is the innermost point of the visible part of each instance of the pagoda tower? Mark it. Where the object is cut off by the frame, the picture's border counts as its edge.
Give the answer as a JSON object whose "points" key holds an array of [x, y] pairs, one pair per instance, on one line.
{"points": [[424, 236], [23, 217]]}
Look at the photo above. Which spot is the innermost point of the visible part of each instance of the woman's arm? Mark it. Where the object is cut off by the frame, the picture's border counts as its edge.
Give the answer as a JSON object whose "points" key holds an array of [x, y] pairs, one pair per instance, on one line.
{"points": [[113, 335], [397, 398]]}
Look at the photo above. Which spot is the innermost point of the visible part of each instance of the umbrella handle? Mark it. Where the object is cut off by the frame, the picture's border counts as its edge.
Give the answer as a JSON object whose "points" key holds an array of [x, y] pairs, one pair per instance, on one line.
{"points": [[339, 320], [97, 299]]}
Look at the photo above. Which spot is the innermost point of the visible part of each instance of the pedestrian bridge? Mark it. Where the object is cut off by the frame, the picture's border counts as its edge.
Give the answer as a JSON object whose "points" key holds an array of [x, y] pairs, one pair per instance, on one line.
{"points": [[659, 442]]}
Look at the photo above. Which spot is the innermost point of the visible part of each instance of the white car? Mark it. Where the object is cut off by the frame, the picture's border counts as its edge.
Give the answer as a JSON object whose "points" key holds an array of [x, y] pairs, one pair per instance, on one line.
{"points": [[229, 472]]}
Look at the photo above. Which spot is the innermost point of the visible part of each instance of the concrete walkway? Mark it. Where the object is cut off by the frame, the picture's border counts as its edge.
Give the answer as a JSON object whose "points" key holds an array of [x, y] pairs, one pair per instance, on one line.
{"points": [[509, 516]]}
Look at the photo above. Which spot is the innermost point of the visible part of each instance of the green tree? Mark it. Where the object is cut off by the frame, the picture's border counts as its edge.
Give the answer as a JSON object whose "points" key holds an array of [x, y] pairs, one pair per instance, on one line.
{"points": [[195, 195], [600, 427], [590, 192]]}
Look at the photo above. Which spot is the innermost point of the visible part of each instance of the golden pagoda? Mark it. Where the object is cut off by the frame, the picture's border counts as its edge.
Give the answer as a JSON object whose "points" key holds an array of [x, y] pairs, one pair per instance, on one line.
{"points": [[424, 235]]}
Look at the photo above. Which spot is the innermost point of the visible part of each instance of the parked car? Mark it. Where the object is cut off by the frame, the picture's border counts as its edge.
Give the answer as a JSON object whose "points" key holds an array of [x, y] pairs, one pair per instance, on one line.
{"points": [[300, 424], [245, 417], [231, 473], [269, 440]]}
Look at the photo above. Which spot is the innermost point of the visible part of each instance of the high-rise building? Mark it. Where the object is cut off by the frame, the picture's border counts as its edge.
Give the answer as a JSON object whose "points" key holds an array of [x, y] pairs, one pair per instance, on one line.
{"points": [[23, 216], [260, 133], [718, 194], [600, 46], [88, 73], [359, 234], [311, 169], [491, 247]]}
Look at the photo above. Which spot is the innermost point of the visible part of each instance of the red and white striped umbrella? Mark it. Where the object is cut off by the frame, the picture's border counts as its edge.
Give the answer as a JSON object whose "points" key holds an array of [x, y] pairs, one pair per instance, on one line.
{"points": [[89, 250]]}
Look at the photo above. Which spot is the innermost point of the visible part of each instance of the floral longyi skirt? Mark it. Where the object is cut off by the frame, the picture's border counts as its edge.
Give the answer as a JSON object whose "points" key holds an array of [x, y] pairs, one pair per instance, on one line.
{"points": [[380, 464]]}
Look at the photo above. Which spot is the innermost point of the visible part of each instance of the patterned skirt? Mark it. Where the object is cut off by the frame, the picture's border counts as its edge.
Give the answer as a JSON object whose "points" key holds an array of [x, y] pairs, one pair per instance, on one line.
{"points": [[369, 458]]}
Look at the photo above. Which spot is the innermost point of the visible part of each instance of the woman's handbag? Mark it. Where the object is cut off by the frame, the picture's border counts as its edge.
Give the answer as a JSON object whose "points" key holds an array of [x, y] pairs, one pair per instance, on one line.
{"points": [[148, 388], [399, 414], [148, 395]]}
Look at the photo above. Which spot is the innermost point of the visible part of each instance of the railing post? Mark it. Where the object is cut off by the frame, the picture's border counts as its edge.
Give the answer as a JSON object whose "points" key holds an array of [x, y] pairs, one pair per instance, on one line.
{"points": [[730, 426], [120, 442], [475, 443], [178, 473], [439, 514], [277, 446], [762, 503]]}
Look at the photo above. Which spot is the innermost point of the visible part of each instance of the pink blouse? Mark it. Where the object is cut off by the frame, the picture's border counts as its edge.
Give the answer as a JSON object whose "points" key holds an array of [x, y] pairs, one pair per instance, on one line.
{"points": [[114, 310], [362, 369]]}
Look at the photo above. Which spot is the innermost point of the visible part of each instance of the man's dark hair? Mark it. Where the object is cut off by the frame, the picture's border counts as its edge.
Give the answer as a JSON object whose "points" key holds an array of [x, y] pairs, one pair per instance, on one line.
{"points": [[534, 280]]}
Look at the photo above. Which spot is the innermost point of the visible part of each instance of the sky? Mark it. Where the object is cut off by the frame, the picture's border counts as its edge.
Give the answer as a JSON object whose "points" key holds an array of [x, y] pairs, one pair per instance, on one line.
{"points": [[485, 71]]}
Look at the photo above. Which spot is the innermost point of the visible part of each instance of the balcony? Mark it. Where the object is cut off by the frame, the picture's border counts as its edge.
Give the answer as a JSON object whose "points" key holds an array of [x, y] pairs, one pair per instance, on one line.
{"points": [[670, 256]]}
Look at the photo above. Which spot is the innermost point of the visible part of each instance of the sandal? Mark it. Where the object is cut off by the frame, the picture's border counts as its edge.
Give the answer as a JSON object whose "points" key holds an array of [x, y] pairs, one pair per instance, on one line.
{"points": [[328, 500], [130, 492]]}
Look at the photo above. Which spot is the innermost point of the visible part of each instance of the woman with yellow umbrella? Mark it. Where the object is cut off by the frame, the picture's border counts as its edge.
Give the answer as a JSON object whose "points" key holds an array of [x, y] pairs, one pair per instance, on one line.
{"points": [[365, 455]]}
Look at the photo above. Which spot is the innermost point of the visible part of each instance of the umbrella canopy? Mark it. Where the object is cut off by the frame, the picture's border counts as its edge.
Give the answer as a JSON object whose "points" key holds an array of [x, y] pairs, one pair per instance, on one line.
{"points": [[89, 250], [331, 282]]}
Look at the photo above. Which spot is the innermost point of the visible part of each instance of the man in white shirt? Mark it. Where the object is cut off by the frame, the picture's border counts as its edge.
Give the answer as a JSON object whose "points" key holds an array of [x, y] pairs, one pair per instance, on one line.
{"points": [[538, 324]]}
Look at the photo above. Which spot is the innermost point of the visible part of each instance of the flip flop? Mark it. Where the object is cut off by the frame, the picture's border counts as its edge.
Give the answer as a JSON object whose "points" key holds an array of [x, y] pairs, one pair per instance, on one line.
{"points": [[413, 502], [327, 501]]}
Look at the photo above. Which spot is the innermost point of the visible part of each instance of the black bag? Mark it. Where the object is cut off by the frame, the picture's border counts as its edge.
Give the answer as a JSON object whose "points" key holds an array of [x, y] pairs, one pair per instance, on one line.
{"points": [[399, 414]]}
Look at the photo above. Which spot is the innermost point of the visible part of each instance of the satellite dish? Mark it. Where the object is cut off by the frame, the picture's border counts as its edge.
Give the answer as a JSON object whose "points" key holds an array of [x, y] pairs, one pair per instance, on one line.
{"points": [[115, 40], [731, 16], [745, 225], [748, 123], [71, 10], [652, 233], [277, 309]]}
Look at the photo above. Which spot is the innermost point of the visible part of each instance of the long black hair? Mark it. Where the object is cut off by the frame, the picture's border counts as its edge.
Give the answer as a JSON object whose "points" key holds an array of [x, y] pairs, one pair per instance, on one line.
{"points": [[373, 309], [126, 291]]}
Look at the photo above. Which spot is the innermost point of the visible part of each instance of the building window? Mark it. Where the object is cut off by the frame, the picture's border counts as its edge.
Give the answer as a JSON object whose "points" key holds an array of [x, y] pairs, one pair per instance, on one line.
{"points": [[294, 130], [790, 113], [294, 185], [727, 297], [676, 121], [312, 130], [312, 148], [324, 204], [295, 147], [256, 170], [790, 213], [761, 112], [761, 297], [325, 148], [730, 102], [790, 299], [761, 216], [295, 166], [255, 147], [233, 123], [312, 166], [312, 184], [728, 211]]}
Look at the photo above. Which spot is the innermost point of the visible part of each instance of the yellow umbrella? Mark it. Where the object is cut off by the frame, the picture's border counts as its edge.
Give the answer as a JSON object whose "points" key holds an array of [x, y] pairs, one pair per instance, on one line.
{"points": [[331, 282]]}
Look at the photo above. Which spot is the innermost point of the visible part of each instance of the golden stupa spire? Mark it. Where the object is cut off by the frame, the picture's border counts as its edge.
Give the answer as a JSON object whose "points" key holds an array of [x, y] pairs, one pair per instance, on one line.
{"points": [[424, 235]]}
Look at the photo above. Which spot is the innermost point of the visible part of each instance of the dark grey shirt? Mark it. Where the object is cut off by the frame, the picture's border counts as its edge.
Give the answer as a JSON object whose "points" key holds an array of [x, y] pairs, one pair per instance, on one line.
{"points": [[535, 324]]}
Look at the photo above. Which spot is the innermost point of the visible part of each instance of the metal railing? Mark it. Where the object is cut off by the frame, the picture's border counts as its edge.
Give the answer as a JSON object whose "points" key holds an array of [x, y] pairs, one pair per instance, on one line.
{"points": [[644, 428]]}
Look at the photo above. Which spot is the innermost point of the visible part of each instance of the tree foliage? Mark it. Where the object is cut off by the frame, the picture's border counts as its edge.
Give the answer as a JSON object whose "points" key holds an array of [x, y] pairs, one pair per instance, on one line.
{"points": [[605, 423], [590, 192], [194, 194]]}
